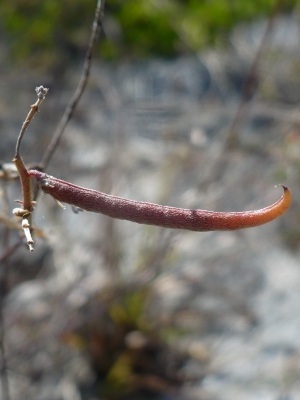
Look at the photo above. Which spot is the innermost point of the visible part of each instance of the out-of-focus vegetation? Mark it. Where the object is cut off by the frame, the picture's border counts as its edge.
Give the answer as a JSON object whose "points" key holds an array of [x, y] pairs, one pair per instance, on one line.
{"points": [[51, 30]]}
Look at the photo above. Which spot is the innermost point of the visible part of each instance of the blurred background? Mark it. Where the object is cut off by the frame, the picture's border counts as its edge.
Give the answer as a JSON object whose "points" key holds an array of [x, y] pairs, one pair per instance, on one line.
{"points": [[192, 104]]}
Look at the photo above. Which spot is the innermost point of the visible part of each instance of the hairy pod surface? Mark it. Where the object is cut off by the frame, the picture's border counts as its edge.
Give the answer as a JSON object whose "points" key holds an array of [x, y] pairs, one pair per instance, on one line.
{"points": [[155, 214]]}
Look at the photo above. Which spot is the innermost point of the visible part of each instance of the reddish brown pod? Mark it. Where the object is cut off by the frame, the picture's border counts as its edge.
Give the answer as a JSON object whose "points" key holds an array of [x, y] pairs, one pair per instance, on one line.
{"points": [[155, 214]]}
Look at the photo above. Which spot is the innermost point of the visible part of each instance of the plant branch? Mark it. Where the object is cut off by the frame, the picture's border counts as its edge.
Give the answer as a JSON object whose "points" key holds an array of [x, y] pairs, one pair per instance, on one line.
{"points": [[41, 93], [23, 172], [97, 26], [26, 187]]}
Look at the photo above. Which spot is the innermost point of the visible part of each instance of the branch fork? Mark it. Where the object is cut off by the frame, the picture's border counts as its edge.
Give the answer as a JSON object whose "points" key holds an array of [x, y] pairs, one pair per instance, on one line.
{"points": [[27, 202]]}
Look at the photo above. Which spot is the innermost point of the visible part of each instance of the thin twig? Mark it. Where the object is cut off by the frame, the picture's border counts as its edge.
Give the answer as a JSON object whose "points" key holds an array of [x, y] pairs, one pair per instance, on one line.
{"points": [[97, 26], [25, 180], [23, 172], [41, 93]]}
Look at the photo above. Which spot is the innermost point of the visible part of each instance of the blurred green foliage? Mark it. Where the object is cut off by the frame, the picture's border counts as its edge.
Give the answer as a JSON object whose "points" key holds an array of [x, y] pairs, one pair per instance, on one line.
{"points": [[49, 31]]}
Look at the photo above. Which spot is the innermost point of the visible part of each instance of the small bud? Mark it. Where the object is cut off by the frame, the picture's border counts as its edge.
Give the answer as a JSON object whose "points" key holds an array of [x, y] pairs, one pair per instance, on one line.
{"points": [[20, 212], [41, 92]]}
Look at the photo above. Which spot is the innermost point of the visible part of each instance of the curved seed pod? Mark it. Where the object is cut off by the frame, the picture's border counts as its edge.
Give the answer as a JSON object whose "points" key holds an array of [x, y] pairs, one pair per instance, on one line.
{"points": [[155, 214]]}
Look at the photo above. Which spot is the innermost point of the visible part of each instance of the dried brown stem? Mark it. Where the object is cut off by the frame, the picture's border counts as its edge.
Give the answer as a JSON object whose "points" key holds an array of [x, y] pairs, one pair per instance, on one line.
{"points": [[97, 25], [23, 172], [41, 93], [26, 187]]}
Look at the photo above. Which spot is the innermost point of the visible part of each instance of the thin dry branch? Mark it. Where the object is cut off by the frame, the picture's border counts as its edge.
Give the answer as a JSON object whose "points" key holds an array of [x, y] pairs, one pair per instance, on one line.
{"points": [[97, 26], [41, 93], [26, 187], [27, 202]]}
